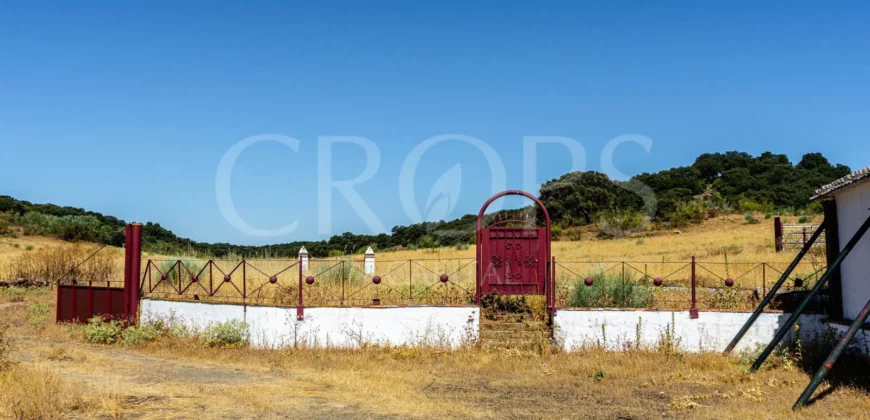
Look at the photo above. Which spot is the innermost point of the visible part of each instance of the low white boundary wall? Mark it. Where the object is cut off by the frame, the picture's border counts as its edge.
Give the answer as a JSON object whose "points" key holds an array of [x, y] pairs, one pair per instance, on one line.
{"points": [[712, 331], [274, 327]]}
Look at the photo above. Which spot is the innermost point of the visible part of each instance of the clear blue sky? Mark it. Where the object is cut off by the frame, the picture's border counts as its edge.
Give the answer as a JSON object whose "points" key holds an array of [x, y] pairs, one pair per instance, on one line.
{"points": [[128, 110]]}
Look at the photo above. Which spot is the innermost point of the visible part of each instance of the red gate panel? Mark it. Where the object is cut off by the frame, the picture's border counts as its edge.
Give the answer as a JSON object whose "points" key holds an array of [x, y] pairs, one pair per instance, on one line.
{"points": [[513, 261], [513, 254], [81, 303]]}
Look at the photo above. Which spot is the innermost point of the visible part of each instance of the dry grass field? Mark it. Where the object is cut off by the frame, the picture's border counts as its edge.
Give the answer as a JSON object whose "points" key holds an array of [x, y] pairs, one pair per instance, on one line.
{"points": [[55, 375], [725, 247], [47, 371]]}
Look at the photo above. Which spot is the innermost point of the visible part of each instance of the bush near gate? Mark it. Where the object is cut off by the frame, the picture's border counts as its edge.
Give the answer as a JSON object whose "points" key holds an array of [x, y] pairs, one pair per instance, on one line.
{"points": [[229, 334], [609, 291]]}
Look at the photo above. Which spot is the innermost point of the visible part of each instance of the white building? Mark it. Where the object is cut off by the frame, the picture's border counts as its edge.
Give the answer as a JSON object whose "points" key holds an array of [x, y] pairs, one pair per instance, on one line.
{"points": [[847, 207]]}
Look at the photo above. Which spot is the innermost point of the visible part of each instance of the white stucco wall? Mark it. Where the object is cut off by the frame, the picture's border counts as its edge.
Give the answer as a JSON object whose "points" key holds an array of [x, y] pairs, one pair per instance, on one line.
{"points": [[712, 331], [852, 210], [274, 327]]}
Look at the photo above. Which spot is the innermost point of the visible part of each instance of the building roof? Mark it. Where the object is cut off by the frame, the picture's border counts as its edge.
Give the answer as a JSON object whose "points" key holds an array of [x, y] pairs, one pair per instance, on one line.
{"points": [[858, 176]]}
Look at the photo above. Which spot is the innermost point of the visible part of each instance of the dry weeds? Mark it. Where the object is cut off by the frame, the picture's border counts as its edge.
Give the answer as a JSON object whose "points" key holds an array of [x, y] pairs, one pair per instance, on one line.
{"points": [[179, 378]]}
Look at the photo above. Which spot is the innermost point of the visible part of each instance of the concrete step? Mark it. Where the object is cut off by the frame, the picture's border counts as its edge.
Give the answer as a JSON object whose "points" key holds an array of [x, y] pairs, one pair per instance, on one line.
{"points": [[511, 326], [513, 344], [520, 334]]}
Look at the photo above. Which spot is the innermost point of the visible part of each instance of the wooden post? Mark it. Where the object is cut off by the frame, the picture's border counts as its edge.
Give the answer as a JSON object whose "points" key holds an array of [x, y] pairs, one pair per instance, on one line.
{"points": [[777, 233], [832, 251]]}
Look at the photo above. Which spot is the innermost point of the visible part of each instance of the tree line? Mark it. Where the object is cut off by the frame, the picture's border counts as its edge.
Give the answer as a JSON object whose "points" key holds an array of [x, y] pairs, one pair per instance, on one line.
{"points": [[715, 181]]}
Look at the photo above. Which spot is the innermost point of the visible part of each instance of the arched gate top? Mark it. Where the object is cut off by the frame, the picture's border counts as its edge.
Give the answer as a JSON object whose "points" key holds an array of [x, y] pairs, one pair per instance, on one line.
{"points": [[537, 201]]}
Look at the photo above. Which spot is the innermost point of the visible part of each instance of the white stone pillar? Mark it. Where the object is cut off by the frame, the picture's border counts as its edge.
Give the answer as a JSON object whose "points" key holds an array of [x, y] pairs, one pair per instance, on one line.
{"points": [[303, 259], [369, 262]]}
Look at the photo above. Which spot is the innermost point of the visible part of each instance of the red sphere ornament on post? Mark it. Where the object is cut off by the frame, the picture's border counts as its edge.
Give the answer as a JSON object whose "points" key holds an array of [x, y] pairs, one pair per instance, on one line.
{"points": [[163, 277], [194, 278], [444, 278], [273, 279], [729, 282], [588, 281], [658, 281], [376, 279], [309, 280], [228, 278]]}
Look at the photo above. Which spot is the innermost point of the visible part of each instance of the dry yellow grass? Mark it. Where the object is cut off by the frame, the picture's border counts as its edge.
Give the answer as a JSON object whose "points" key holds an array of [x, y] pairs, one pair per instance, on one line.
{"points": [[176, 378], [725, 247]]}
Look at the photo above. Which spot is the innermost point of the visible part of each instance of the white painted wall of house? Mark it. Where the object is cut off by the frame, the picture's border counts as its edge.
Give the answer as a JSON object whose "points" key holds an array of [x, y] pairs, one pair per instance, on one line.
{"points": [[712, 331], [853, 208], [273, 327]]}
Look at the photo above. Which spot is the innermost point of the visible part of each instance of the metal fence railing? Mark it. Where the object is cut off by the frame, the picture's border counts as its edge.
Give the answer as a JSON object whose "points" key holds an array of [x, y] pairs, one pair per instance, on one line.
{"points": [[673, 285], [313, 283]]}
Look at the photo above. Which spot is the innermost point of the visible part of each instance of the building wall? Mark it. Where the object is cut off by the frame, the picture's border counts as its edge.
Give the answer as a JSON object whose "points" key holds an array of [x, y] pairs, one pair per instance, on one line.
{"points": [[852, 210], [712, 331], [273, 327]]}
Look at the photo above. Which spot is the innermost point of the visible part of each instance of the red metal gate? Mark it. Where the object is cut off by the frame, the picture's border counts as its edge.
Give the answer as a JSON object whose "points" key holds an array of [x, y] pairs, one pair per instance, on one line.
{"points": [[514, 260], [79, 300]]}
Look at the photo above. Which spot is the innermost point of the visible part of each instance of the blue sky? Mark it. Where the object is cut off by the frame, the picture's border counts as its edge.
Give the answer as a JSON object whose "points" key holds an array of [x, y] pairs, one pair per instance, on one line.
{"points": [[128, 110]]}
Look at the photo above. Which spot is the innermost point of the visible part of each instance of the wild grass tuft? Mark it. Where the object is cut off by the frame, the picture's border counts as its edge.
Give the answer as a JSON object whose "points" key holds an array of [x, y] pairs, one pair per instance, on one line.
{"points": [[609, 291]]}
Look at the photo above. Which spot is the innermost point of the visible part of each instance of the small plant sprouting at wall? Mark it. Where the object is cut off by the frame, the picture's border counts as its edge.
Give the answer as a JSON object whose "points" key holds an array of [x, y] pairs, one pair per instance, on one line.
{"points": [[669, 343]]}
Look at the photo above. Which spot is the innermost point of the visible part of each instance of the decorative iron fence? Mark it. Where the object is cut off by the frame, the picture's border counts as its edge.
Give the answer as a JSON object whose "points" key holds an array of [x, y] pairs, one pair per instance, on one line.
{"points": [[674, 285], [313, 283]]}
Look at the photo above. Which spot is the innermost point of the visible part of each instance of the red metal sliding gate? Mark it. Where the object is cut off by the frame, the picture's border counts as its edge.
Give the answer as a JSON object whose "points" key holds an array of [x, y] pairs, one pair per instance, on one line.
{"points": [[513, 254], [79, 300]]}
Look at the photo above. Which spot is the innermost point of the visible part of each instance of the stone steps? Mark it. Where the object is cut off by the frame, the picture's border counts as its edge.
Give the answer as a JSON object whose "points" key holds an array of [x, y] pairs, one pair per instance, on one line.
{"points": [[513, 330]]}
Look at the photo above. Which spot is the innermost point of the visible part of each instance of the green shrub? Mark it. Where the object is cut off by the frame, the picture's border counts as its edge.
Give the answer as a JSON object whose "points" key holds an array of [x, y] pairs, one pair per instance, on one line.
{"points": [[803, 219], [37, 314], [687, 212], [5, 228], [752, 206], [608, 291], [427, 242], [556, 232], [100, 331], [573, 234], [815, 207], [334, 253], [750, 219], [621, 223], [462, 246], [229, 334]]}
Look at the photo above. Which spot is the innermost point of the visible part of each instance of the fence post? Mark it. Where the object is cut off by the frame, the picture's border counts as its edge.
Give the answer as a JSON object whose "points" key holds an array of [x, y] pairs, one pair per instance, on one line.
{"points": [[342, 282], [300, 309], [623, 284], [410, 280], [133, 255], [763, 280], [693, 311], [369, 262], [777, 233]]}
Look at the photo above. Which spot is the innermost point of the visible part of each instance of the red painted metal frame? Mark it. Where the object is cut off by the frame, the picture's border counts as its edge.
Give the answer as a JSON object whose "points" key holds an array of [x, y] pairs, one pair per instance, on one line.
{"points": [[484, 247], [78, 301]]}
